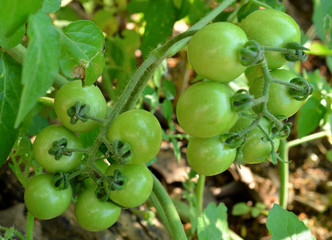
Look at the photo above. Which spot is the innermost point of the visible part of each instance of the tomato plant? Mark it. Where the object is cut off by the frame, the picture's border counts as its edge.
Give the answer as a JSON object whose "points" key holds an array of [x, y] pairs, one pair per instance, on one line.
{"points": [[209, 156], [137, 185], [204, 109], [141, 130], [214, 51], [44, 142], [272, 28], [43, 199], [72, 93], [94, 214]]}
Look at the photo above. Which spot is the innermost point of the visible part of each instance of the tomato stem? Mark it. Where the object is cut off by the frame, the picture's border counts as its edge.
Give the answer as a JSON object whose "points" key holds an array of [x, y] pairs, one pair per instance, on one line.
{"points": [[288, 84], [29, 228], [200, 192], [284, 174]]}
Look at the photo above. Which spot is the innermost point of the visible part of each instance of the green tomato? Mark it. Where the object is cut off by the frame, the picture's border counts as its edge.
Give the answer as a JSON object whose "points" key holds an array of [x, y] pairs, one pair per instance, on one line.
{"points": [[93, 214], [204, 109], [256, 148], [137, 186], [72, 92], [44, 142], [43, 200], [214, 51], [141, 130], [280, 102], [272, 28], [209, 156]]}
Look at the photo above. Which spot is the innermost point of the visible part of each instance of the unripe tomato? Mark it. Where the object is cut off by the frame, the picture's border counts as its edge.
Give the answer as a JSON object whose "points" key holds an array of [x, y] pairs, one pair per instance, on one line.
{"points": [[214, 51], [272, 28], [204, 109], [45, 201], [280, 102], [69, 94], [44, 142], [209, 156]]}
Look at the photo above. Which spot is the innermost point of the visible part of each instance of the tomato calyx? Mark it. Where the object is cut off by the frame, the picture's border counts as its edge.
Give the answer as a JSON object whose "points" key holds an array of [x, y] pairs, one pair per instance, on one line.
{"points": [[302, 91], [251, 53], [282, 133], [114, 182], [233, 139], [119, 152], [241, 100], [78, 112], [298, 54], [60, 181], [59, 148]]}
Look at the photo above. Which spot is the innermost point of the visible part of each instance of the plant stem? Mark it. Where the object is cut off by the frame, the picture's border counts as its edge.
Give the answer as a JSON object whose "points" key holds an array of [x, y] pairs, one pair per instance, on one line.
{"points": [[177, 231], [200, 192], [160, 211], [101, 120], [46, 101], [29, 229], [308, 138], [284, 174], [288, 84]]}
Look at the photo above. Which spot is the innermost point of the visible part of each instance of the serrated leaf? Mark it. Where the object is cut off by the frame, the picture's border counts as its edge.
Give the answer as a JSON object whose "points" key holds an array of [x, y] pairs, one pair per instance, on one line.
{"points": [[309, 116], [213, 223], [240, 209], [82, 46], [322, 19], [286, 226], [51, 6], [14, 13], [159, 15], [10, 91], [41, 62], [12, 40]]}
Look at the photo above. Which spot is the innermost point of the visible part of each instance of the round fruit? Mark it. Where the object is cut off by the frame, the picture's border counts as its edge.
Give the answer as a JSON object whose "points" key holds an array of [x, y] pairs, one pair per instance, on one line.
{"points": [[256, 148], [272, 28], [73, 92], [43, 200], [141, 130], [44, 142], [209, 156], [204, 109], [137, 185], [214, 51], [280, 102], [93, 214]]}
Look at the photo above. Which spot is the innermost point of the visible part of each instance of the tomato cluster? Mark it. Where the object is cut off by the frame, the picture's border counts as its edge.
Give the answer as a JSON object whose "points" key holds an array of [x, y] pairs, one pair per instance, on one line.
{"points": [[132, 139], [245, 125]]}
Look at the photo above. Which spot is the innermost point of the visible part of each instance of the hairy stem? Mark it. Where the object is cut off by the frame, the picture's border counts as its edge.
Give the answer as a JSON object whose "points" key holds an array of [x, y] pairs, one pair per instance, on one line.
{"points": [[29, 228], [284, 174], [200, 192]]}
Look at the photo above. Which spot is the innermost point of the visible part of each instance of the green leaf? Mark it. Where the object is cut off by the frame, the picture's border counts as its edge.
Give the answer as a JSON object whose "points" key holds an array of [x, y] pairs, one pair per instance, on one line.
{"points": [[286, 226], [322, 19], [240, 209], [169, 89], [213, 223], [198, 10], [159, 15], [12, 40], [329, 155], [176, 149], [89, 138], [309, 116], [38, 123], [255, 212], [136, 6], [10, 91], [329, 62], [51, 6], [82, 53], [318, 48], [245, 10], [41, 62], [167, 109], [14, 13]]}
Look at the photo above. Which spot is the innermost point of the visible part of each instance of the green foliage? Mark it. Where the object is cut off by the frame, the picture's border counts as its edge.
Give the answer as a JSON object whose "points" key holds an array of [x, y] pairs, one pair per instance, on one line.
{"points": [[82, 53], [213, 223], [10, 91], [322, 19], [285, 225], [41, 62], [51, 6]]}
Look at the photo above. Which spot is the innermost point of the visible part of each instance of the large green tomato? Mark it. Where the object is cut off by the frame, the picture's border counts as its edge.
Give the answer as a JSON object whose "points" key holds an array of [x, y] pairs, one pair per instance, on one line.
{"points": [[93, 214], [137, 186], [141, 130], [214, 51], [45, 201], [272, 28], [256, 148], [72, 92], [44, 142], [204, 109], [209, 156], [280, 102]]}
